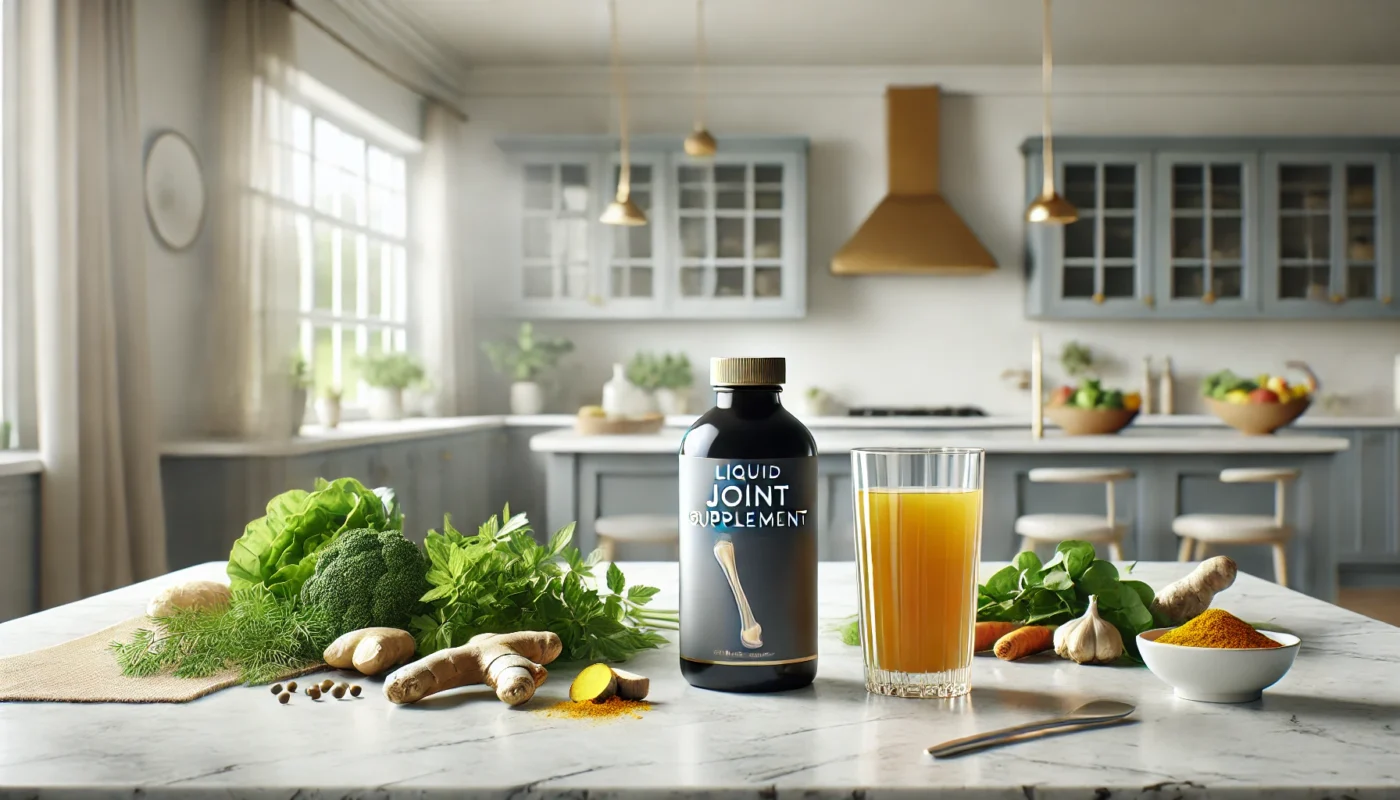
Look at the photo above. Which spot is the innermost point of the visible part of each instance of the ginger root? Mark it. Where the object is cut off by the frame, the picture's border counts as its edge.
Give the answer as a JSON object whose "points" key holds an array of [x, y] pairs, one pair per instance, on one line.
{"points": [[596, 683], [1185, 599], [510, 663], [371, 650], [190, 594]]}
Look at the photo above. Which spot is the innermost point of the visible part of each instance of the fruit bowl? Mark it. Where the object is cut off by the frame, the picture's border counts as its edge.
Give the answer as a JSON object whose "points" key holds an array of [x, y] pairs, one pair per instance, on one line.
{"points": [[1076, 421], [1258, 419]]}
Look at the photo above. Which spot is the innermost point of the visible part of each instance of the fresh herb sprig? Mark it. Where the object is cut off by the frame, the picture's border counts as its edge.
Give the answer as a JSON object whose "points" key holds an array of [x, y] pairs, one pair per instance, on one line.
{"points": [[263, 636], [1058, 591], [502, 580]]}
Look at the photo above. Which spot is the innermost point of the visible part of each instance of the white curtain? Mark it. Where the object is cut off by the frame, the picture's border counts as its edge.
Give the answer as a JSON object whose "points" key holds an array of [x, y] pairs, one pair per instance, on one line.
{"points": [[81, 196], [255, 263], [442, 318]]}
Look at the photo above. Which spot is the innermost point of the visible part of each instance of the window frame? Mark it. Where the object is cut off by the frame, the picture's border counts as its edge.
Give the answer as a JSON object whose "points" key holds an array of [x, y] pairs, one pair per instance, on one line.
{"points": [[403, 333]]}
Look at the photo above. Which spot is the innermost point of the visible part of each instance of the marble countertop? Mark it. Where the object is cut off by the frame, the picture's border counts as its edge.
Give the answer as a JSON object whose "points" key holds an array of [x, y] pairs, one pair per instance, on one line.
{"points": [[1329, 729], [830, 442]]}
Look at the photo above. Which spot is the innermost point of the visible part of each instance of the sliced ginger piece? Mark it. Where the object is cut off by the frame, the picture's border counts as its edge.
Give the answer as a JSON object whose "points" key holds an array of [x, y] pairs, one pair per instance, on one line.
{"points": [[630, 685], [595, 684]]}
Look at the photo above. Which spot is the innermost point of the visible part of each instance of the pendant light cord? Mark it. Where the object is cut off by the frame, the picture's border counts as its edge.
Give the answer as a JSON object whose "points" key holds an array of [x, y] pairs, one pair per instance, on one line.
{"points": [[700, 89], [624, 177], [1046, 66]]}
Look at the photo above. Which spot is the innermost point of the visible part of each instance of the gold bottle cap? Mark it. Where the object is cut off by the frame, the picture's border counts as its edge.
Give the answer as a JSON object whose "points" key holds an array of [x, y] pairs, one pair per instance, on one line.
{"points": [[747, 371]]}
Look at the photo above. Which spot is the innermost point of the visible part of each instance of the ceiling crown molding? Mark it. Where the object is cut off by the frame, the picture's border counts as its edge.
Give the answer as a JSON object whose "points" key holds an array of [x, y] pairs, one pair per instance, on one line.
{"points": [[388, 32]]}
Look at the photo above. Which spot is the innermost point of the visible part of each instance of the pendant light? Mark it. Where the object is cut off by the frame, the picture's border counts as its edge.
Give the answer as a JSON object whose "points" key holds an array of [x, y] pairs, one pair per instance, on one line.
{"points": [[700, 143], [621, 211], [1050, 207]]}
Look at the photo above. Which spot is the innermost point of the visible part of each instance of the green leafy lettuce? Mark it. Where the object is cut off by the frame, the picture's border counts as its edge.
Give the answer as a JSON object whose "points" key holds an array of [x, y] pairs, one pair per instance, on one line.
{"points": [[501, 580], [279, 550], [1057, 591]]}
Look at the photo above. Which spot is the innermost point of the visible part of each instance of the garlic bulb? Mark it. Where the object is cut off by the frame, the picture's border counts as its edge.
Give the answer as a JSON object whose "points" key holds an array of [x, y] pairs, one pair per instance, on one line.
{"points": [[1089, 639]]}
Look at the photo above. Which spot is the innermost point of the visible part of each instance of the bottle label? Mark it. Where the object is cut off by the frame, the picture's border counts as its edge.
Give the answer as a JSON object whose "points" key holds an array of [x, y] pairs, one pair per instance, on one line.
{"points": [[748, 549]]}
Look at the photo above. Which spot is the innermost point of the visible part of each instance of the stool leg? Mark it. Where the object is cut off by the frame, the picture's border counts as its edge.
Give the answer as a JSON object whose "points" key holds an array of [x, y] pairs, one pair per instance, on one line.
{"points": [[1200, 550], [1281, 564], [1187, 545], [1027, 543], [608, 547], [1115, 550]]}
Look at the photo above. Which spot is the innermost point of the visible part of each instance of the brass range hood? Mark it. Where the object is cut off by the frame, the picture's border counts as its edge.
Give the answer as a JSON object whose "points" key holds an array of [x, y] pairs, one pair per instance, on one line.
{"points": [[913, 230]]}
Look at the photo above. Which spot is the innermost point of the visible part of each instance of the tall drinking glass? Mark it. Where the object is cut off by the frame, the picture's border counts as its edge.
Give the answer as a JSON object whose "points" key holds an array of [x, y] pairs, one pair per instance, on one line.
{"points": [[918, 535]]}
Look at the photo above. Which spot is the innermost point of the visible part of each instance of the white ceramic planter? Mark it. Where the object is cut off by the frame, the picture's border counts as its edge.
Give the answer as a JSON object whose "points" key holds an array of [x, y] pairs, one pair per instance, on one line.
{"points": [[526, 397], [328, 412], [671, 402], [384, 403]]}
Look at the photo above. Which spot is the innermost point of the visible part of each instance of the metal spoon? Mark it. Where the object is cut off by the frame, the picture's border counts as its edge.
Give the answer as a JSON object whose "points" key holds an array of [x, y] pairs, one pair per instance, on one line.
{"points": [[1087, 715]]}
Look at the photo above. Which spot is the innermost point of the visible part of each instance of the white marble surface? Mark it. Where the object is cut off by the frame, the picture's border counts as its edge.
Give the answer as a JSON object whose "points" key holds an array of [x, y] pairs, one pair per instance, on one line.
{"points": [[1007, 441], [1329, 729]]}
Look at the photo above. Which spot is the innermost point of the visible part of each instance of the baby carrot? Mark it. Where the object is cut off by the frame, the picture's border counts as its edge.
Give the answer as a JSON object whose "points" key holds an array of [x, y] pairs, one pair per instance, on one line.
{"points": [[987, 634], [1024, 642]]}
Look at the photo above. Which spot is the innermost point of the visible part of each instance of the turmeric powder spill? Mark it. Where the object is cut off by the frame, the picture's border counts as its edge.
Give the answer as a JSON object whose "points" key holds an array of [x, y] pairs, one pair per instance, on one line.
{"points": [[1216, 627], [612, 708]]}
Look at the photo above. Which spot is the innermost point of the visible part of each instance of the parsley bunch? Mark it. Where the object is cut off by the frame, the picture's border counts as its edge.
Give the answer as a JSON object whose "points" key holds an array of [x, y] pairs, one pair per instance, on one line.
{"points": [[501, 580]]}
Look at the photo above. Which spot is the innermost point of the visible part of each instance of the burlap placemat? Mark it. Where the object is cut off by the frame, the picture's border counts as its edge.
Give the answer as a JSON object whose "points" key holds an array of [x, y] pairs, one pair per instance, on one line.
{"points": [[84, 671]]}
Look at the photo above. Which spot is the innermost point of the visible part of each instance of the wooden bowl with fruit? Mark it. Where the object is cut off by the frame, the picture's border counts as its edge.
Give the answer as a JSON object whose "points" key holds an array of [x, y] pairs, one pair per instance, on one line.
{"points": [[1091, 410], [1261, 405]]}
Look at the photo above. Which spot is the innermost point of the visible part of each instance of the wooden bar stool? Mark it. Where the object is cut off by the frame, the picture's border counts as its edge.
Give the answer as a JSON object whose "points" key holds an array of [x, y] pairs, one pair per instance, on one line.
{"points": [[650, 528], [1104, 529], [1198, 531]]}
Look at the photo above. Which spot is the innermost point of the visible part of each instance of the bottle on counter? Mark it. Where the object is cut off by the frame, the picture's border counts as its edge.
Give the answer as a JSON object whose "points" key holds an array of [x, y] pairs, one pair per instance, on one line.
{"points": [[1148, 390], [1166, 402], [748, 536], [622, 398]]}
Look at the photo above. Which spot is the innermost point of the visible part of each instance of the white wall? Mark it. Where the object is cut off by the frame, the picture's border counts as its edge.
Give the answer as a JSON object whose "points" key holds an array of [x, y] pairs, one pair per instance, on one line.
{"points": [[936, 340], [176, 76]]}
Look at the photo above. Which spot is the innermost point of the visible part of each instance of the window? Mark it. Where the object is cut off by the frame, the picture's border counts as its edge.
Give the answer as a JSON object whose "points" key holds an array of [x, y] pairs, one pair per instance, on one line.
{"points": [[351, 209]]}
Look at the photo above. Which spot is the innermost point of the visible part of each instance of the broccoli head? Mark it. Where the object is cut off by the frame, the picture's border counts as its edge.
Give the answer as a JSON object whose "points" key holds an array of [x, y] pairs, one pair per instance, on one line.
{"points": [[368, 578]]}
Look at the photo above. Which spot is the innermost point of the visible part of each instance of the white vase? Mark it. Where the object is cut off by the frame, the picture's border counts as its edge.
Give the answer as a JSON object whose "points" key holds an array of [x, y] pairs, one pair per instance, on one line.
{"points": [[672, 402], [328, 411], [526, 398], [298, 409], [385, 403], [413, 402]]}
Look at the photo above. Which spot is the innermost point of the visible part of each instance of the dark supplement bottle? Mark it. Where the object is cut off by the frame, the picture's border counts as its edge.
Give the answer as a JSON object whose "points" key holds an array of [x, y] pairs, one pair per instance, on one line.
{"points": [[748, 536]]}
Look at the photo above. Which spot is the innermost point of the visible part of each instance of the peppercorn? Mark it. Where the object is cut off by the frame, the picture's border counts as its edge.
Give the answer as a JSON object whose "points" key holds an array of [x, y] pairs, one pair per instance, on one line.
{"points": [[276, 688], [339, 692], [284, 698], [315, 692], [327, 684], [292, 687], [344, 685], [355, 690]]}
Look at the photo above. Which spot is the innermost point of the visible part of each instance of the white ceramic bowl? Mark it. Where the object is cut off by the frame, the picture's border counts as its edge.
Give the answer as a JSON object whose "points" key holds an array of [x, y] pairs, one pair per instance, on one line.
{"points": [[1218, 675]]}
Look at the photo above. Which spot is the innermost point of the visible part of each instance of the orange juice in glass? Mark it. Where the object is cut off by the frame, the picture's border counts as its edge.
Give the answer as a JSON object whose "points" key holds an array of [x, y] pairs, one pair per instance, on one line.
{"points": [[918, 526]]}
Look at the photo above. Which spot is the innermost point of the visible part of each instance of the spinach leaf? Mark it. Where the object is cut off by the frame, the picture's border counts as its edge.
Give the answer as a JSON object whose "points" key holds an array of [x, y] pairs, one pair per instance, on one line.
{"points": [[1057, 580], [1100, 578], [1027, 560], [1003, 584]]}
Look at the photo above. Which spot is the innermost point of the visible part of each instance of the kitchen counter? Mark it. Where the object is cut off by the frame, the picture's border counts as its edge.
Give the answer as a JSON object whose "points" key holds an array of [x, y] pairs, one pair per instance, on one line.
{"points": [[831, 442], [1330, 728]]}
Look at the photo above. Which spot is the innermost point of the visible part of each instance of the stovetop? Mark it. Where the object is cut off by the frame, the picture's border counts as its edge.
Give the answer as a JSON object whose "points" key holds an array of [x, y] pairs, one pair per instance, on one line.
{"points": [[935, 411]]}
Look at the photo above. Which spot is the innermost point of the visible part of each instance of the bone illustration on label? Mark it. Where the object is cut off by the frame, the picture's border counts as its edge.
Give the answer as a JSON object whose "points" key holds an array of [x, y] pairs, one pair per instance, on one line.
{"points": [[751, 633]]}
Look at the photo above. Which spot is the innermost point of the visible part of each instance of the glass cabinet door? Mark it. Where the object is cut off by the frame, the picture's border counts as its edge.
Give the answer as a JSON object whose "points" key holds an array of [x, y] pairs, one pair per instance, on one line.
{"points": [[1327, 247], [1204, 244], [556, 243], [732, 230], [634, 251], [1101, 258]]}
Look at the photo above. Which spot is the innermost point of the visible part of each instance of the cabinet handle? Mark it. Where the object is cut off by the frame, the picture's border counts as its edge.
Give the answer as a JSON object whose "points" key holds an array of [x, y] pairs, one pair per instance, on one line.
{"points": [[1337, 299], [1208, 298], [1149, 301], [1098, 298]]}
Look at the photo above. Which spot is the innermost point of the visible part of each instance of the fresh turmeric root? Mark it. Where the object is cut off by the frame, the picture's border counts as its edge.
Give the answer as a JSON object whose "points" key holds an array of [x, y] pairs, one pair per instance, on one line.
{"points": [[1024, 642], [510, 663], [1185, 599], [987, 634]]}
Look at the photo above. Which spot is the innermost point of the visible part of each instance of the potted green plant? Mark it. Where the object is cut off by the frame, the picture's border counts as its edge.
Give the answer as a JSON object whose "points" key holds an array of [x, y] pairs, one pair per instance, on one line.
{"points": [[674, 378], [387, 375], [301, 383], [524, 360], [328, 407]]}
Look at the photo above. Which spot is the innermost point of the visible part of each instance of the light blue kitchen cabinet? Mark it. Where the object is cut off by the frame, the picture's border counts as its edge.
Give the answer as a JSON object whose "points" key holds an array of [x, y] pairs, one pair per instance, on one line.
{"points": [[726, 236], [1236, 228]]}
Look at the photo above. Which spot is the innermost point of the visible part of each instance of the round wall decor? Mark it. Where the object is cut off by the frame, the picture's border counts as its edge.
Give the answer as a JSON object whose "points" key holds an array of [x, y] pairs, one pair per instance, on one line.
{"points": [[174, 190]]}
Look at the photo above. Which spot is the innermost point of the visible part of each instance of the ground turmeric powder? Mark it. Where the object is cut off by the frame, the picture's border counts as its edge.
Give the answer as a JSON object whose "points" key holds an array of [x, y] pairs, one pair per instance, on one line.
{"points": [[612, 708], [1217, 627]]}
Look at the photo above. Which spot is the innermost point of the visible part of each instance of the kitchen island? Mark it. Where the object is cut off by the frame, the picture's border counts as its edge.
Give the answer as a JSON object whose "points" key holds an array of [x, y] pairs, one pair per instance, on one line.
{"points": [[1176, 473], [1329, 729]]}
